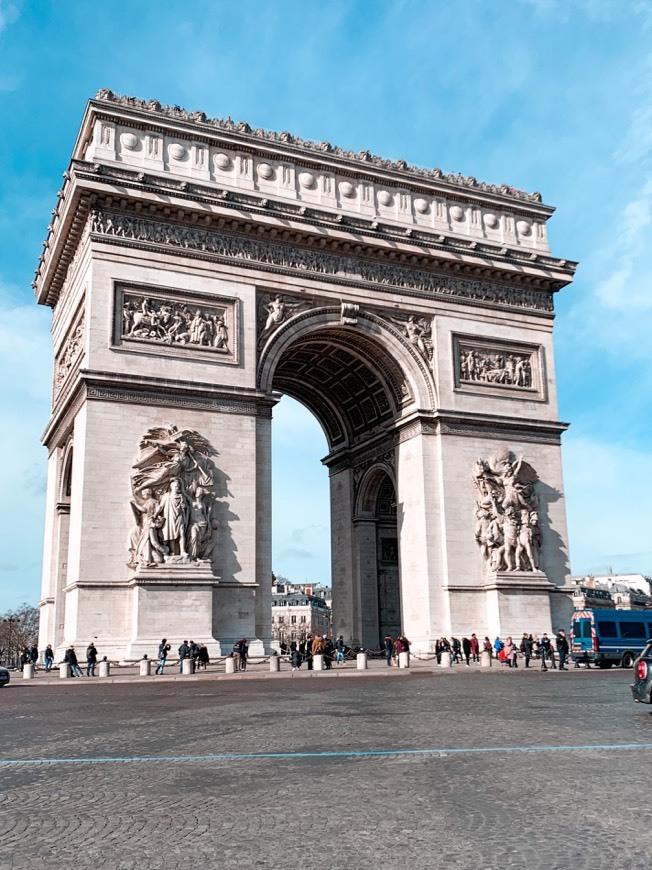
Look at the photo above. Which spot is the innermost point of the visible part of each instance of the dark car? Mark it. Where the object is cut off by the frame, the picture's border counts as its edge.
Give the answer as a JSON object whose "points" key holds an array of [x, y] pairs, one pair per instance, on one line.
{"points": [[642, 685], [4, 677]]}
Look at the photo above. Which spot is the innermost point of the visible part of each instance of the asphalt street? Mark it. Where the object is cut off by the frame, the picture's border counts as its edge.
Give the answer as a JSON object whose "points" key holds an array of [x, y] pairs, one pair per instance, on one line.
{"points": [[413, 769]]}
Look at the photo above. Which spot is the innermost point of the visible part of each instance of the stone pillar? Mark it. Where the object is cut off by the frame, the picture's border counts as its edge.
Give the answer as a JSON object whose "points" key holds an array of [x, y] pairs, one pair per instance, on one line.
{"points": [[145, 669], [346, 606], [229, 665], [485, 659], [318, 663], [64, 670], [445, 660], [404, 660], [361, 661], [105, 669], [274, 664], [28, 671], [187, 667], [366, 573]]}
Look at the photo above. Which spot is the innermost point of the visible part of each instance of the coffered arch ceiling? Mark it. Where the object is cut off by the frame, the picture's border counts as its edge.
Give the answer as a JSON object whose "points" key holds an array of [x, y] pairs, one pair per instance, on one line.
{"points": [[349, 381]]}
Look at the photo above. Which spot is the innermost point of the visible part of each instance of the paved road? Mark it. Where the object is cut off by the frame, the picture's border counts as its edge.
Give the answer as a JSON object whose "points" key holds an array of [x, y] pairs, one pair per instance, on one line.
{"points": [[269, 795]]}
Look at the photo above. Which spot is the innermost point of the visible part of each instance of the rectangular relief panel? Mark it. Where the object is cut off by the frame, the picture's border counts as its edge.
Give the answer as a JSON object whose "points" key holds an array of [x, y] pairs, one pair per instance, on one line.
{"points": [[494, 367], [176, 323]]}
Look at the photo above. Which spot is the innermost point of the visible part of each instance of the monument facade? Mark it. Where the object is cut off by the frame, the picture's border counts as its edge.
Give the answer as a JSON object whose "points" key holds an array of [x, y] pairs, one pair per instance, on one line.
{"points": [[197, 270]]}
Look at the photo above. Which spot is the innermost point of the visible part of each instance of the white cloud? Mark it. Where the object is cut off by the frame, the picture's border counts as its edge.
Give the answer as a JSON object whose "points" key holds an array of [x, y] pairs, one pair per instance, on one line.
{"points": [[8, 14]]}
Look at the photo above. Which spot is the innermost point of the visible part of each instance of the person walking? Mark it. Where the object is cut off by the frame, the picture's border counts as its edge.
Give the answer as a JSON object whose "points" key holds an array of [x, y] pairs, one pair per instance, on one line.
{"points": [[244, 654], [497, 646], [48, 658], [340, 649], [466, 649], [389, 647], [544, 645], [562, 649], [71, 658], [510, 653], [163, 650], [33, 655], [91, 659], [296, 659], [526, 648], [475, 648], [184, 653], [203, 659]]}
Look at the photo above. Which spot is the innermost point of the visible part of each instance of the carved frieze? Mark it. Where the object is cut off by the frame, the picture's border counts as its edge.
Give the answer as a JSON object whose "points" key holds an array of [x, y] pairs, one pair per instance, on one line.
{"points": [[288, 259], [507, 513], [173, 489], [69, 354], [498, 367], [175, 321], [418, 331]]}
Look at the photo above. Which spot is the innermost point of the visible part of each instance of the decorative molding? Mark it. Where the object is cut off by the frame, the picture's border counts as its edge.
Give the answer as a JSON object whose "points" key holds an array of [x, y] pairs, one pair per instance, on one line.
{"points": [[497, 367], [151, 319], [286, 259], [275, 309], [363, 158]]}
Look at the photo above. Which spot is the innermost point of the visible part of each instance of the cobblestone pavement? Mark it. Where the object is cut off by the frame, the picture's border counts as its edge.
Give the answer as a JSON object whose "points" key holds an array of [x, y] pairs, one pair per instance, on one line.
{"points": [[556, 807]]}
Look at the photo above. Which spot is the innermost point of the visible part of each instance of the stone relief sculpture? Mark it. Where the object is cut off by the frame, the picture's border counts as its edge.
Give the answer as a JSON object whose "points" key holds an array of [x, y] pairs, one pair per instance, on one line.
{"points": [[418, 331], [170, 322], [173, 502], [68, 355], [275, 311], [507, 514], [495, 367]]}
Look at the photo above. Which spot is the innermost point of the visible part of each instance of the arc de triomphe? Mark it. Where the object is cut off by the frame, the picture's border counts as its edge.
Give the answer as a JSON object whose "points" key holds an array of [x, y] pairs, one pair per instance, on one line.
{"points": [[197, 269]]}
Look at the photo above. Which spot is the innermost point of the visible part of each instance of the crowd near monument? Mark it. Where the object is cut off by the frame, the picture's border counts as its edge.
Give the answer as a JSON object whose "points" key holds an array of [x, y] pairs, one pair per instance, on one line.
{"points": [[197, 270]]}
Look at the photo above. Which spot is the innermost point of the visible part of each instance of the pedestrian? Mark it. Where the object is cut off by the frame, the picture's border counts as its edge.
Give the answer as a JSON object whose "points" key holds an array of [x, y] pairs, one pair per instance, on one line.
{"points": [[340, 649], [562, 649], [456, 648], [33, 655], [546, 650], [24, 657], [486, 646], [475, 648], [193, 654], [71, 658], [466, 649], [91, 659], [329, 649], [163, 650], [510, 653], [296, 659], [203, 659], [526, 648], [236, 656], [389, 647], [48, 658], [244, 654], [497, 646], [184, 652]]}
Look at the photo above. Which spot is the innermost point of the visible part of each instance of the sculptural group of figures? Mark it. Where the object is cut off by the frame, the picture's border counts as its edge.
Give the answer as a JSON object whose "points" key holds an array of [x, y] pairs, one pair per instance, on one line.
{"points": [[496, 368], [507, 515], [173, 502], [173, 323]]}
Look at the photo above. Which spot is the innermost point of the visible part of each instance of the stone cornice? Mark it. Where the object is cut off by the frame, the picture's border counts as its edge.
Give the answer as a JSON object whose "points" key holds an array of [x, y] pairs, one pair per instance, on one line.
{"points": [[132, 389], [244, 135], [203, 206]]}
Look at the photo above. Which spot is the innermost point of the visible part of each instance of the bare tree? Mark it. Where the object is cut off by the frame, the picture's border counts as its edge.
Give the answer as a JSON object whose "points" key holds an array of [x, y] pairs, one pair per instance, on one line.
{"points": [[18, 629]]}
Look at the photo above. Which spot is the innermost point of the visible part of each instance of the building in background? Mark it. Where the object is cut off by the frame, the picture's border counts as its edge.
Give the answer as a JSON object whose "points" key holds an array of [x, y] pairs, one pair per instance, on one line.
{"points": [[622, 591], [299, 610]]}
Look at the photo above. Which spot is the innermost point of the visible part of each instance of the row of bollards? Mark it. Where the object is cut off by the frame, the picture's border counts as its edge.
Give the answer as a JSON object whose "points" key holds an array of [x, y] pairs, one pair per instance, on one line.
{"points": [[274, 665]]}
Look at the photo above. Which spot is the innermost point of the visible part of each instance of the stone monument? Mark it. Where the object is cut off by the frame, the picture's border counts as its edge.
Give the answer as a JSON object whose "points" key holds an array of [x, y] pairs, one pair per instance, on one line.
{"points": [[197, 270]]}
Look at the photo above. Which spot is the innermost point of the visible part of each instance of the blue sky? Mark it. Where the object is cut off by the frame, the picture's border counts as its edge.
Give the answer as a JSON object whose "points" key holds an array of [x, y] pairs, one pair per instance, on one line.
{"points": [[547, 95]]}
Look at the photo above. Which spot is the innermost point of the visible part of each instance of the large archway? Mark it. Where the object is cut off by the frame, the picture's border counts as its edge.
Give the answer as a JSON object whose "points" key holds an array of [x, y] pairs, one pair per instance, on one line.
{"points": [[359, 379]]}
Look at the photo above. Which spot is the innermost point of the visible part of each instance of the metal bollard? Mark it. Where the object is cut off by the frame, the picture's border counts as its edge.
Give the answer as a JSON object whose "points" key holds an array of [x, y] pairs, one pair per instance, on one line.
{"points": [[145, 668], [105, 669], [404, 660], [485, 659], [187, 667], [445, 660], [28, 671], [64, 670], [318, 662], [274, 664], [361, 661], [229, 665]]}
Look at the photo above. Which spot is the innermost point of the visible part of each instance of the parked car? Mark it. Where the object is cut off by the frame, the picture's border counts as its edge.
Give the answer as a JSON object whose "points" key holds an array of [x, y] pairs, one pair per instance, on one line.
{"points": [[4, 677], [642, 685]]}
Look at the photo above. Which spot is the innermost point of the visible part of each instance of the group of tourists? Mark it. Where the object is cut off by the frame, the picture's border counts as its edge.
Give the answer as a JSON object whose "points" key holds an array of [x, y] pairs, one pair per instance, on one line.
{"points": [[541, 649], [197, 653], [394, 647], [303, 652]]}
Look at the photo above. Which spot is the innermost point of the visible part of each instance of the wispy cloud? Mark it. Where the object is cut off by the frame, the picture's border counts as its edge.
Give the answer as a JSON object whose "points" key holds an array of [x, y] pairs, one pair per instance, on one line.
{"points": [[9, 13]]}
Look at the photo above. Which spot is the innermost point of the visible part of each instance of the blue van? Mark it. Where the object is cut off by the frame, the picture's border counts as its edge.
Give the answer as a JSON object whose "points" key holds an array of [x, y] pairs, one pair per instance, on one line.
{"points": [[609, 637]]}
